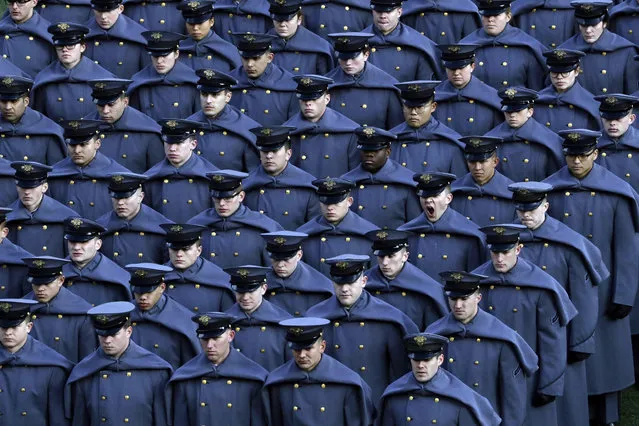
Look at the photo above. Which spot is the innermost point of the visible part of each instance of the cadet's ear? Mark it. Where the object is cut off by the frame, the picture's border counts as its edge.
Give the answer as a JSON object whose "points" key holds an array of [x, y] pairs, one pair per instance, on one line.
{"points": [[228, 95], [4, 231], [98, 243], [45, 187], [633, 117], [241, 195], [596, 153]]}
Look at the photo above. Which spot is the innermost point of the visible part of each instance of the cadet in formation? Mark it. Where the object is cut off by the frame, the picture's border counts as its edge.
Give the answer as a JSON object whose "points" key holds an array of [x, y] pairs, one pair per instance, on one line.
{"points": [[277, 188], [91, 275], [59, 318], [322, 140], [366, 332], [315, 382], [399, 283], [76, 12], [623, 20], [231, 17], [336, 16], [258, 334], [549, 23], [219, 384], [443, 22], [13, 272], [155, 16], [292, 284], [434, 395], [194, 282], [33, 375], [120, 382]]}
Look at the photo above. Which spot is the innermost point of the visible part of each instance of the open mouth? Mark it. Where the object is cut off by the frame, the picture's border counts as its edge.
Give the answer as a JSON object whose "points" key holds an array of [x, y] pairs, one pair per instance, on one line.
{"points": [[430, 210]]}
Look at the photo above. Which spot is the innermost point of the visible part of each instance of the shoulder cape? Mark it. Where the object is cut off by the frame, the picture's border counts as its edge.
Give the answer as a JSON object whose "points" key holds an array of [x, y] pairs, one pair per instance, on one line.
{"points": [[291, 177], [266, 313], [135, 121], [451, 222], [523, 6], [351, 224], [303, 40], [608, 42], [256, 7], [49, 210], [84, 71], [195, 166], [534, 132], [415, 6], [576, 95], [303, 279], [627, 7], [208, 274], [331, 121], [105, 270], [476, 89], [243, 216], [34, 123], [65, 302], [12, 254], [215, 44], [497, 186], [147, 76], [629, 139], [273, 78], [147, 220], [34, 353], [124, 28], [391, 172], [434, 129], [236, 365], [100, 168], [371, 78], [360, 4], [231, 120], [36, 26]]}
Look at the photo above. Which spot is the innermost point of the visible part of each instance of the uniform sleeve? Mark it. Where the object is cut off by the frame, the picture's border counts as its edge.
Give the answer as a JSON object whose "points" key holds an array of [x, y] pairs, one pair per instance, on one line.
{"points": [[624, 284], [250, 157], [312, 207], [394, 114], [458, 164], [385, 414], [55, 151], [87, 341], [257, 409], [352, 410], [413, 208], [79, 410], [354, 158], [55, 393], [426, 70], [398, 360], [470, 24], [512, 385], [466, 418], [155, 151], [293, 106], [535, 74], [179, 405], [551, 347], [585, 296], [160, 409]]}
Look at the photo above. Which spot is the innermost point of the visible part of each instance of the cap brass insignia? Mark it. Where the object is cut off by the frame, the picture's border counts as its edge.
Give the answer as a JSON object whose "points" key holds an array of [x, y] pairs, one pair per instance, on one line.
{"points": [[279, 240], [249, 37], [611, 100], [117, 178], [176, 228], [7, 81], [587, 7], [4, 307], [63, 27], [560, 54], [26, 168], [306, 81], [499, 230], [342, 265], [140, 273], [243, 273], [523, 191], [156, 36], [413, 88], [420, 340], [204, 319], [171, 124], [456, 276], [368, 132], [209, 74], [329, 184], [296, 330], [76, 223], [475, 142], [39, 263], [280, 2], [454, 49], [266, 131], [382, 235], [100, 85], [426, 178], [344, 40], [510, 93], [218, 178], [573, 136], [74, 124], [193, 4], [103, 319]]}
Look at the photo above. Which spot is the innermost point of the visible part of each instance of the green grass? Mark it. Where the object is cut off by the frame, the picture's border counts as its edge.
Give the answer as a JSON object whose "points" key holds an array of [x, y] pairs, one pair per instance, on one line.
{"points": [[630, 407]]}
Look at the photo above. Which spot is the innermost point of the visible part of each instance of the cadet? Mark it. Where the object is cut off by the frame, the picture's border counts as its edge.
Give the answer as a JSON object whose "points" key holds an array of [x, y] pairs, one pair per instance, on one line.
{"points": [[537, 307], [204, 48], [603, 208], [220, 384], [114, 40], [399, 283], [442, 239], [178, 186], [550, 23], [277, 188], [482, 351], [81, 180], [60, 90], [384, 192], [578, 266], [160, 324], [258, 334], [26, 134], [225, 139], [337, 229], [367, 332], [60, 317], [334, 17], [8, 192], [397, 48], [528, 150], [26, 44], [594, 39], [296, 48], [13, 272], [465, 103], [333, 393], [264, 91], [423, 142], [232, 237], [167, 87], [120, 382], [77, 12], [133, 232], [244, 15], [36, 370], [91, 275], [623, 20], [565, 104], [482, 194], [323, 140], [156, 16], [36, 220], [442, 22], [129, 137], [507, 55], [196, 283], [360, 90], [292, 284]]}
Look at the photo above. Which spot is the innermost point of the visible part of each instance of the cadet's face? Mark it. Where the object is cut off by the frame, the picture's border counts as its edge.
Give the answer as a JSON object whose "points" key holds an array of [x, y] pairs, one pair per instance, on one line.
{"points": [[113, 111], [504, 261], [146, 301], [581, 165], [354, 65], [434, 207], [128, 208], [347, 294], [70, 56], [183, 258], [314, 109], [387, 21], [284, 268], [460, 77], [424, 370], [516, 119], [255, 67], [115, 345], [308, 358], [164, 64], [464, 308], [21, 12], [418, 116], [82, 253], [591, 33], [533, 219], [32, 197], [563, 81], [107, 19], [14, 338], [484, 170], [372, 161], [225, 207], [334, 213], [393, 264], [614, 128], [217, 348], [201, 30], [179, 153], [12, 111], [494, 25], [83, 153], [45, 292], [251, 300], [213, 103], [286, 29], [274, 162]]}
